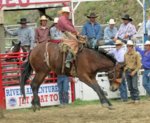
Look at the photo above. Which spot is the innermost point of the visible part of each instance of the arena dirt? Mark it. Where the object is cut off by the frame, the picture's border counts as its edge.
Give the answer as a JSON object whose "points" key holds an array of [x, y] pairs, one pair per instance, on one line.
{"points": [[93, 113]]}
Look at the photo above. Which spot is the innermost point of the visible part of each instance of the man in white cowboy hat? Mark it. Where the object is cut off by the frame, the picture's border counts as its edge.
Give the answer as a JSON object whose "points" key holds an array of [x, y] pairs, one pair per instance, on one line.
{"points": [[55, 33], [25, 35], [92, 30], [145, 54], [132, 66], [110, 32], [127, 30], [119, 53], [65, 26], [42, 33]]}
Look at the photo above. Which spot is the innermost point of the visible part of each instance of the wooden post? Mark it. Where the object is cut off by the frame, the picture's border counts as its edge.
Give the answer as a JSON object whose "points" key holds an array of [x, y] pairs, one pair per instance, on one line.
{"points": [[2, 49], [2, 32]]}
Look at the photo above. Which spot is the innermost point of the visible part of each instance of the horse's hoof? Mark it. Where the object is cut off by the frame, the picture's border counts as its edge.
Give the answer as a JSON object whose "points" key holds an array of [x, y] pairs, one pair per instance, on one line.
{"points": [[34, 108], [37, 107], [111, 108], [106, 105]]}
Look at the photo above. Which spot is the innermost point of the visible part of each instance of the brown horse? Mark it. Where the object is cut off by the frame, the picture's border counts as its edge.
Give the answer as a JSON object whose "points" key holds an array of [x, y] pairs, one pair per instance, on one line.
{"points": [[88, 62]]}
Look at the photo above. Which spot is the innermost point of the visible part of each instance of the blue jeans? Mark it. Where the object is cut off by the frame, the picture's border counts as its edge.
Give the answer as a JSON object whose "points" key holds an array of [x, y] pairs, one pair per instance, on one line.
{"points": [[146, 81], [123, 90], [133, 85], [63, 87], [92, 43]]}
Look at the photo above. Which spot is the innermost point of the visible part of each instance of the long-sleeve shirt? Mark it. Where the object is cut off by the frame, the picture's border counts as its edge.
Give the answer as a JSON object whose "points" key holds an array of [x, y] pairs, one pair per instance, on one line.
{"points": [[119, 54], [64, 24], [42, 34], [148, 27], [128, 29], [109, 33], [145, 57], [92, 31], [25, 35], [132, 61], [55, 33]]}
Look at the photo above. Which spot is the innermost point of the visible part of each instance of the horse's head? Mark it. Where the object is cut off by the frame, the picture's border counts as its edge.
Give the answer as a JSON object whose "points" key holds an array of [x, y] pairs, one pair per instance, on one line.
{"points": [[14, 48], [115, 76]]}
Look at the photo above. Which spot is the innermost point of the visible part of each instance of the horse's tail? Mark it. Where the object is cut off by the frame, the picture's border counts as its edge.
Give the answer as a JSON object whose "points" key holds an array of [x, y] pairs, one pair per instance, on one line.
{"points": [[25, 74]]}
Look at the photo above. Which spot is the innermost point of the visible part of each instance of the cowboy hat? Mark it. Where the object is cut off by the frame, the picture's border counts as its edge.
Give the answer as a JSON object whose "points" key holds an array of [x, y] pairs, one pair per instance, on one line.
{"points": [[147, 43], [43, 17], [126, 17], [118, 42], [129, 42], [92, 15], [64, 9], [23, 21], [112, 21], [56, 20]]}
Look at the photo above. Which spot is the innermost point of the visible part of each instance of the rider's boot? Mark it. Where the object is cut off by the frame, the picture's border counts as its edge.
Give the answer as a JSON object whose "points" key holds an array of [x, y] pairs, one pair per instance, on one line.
{"points": [[69, 59]]}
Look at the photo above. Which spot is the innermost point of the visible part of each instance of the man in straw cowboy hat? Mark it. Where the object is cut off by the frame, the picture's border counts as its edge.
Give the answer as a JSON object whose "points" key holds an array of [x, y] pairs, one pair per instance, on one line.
{"points": [[55, 33], [127, 30], [42, 33], [92, 30], [119, 53], [110, 32], [25, 35], [70, 33], [145, 54], [132, 66]]}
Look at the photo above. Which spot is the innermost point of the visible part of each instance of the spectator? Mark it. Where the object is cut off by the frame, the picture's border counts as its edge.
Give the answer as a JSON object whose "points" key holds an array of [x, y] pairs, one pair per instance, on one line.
{"points": [[126, 30], [110, 32], [145, 54], [63, 88], [42, 33], [119, 53], [25, 35], [92, 30], [56, 34], [132, 66], [148, 27]]}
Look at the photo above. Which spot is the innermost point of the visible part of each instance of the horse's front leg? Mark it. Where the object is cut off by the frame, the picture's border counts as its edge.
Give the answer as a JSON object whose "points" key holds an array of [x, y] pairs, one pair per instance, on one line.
{"points": [[105, 102], [91, 81], [38, 79]]}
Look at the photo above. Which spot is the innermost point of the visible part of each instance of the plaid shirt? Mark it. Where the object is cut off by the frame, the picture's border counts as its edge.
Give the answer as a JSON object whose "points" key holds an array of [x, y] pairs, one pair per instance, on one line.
{"points": [[128, 29]]}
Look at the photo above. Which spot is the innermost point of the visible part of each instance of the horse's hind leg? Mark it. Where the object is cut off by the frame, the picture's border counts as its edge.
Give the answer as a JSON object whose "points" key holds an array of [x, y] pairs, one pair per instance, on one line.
{"points": [[38, 79]]}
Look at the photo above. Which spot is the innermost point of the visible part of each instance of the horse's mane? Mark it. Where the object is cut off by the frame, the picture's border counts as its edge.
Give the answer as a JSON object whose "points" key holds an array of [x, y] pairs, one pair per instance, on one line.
{"points": [[104, 52]]}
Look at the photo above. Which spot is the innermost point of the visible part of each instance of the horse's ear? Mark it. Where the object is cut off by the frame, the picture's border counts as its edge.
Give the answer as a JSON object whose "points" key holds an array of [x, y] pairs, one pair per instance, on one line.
{"points": [[19, 43], [13, 43]]}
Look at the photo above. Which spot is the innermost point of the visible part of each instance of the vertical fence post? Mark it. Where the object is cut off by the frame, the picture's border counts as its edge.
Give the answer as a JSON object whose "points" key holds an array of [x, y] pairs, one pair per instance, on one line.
{"points": [[2, 48], [2, 34], [2, 95]]}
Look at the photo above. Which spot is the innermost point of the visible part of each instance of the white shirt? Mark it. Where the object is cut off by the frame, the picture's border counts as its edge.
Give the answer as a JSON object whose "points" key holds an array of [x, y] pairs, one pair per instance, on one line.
{"points": [[119, 54]]}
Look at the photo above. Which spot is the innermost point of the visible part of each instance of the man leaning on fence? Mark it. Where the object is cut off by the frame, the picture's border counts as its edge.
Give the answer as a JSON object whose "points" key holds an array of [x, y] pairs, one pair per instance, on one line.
{"points": [[127, 30], [92, 30], [110, 32], [25, 35]]}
